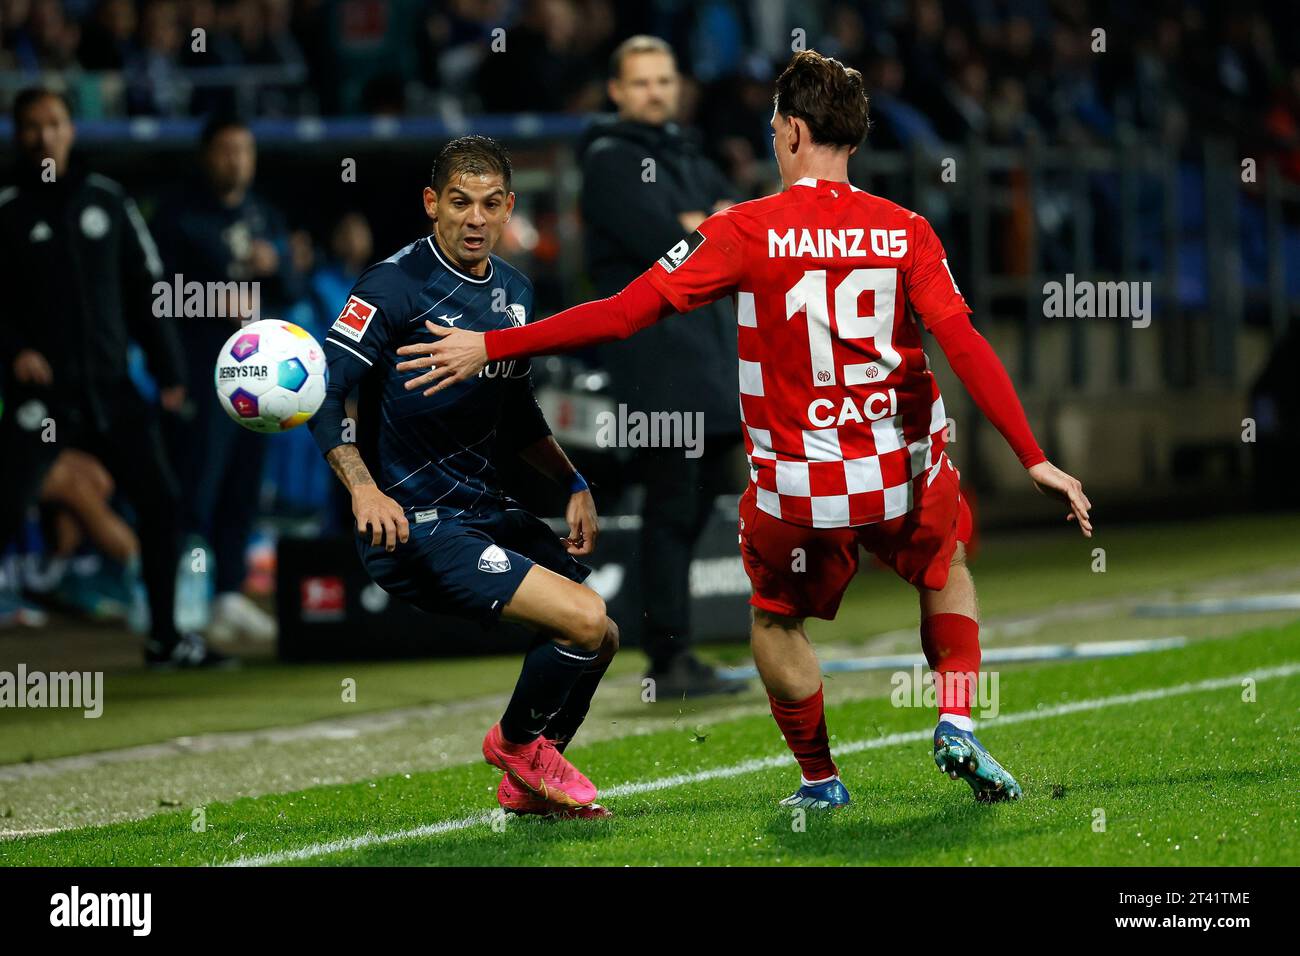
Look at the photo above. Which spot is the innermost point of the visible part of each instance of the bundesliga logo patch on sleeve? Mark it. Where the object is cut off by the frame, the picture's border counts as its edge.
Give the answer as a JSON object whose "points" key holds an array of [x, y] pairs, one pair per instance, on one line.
{"points": [[679, 253], [354, 319]]}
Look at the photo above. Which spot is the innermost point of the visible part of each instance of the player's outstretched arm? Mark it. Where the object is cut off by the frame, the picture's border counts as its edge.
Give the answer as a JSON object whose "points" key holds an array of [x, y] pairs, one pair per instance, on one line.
{"points": [[378, 515], [458, 354], [982, 373]]}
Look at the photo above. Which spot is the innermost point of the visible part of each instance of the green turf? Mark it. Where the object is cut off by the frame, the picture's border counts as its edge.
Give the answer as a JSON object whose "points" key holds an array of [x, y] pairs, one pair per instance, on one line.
{"points": [[1200, 778], [1019, 573], [143, 707], [1032, 570]]}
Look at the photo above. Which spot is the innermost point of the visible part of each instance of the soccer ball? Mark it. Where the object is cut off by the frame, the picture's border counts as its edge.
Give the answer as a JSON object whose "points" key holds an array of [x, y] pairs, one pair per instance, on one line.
{"points": [[270, 376]]}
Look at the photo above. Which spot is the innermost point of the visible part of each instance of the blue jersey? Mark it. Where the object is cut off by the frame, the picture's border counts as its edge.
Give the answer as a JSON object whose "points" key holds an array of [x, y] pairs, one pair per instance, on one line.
{"points": [[432, 455]]}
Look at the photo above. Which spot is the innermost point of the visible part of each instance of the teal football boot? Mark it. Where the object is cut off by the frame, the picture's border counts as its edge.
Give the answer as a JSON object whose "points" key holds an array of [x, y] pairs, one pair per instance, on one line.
{"points": [[958, 753], [829, 795]]}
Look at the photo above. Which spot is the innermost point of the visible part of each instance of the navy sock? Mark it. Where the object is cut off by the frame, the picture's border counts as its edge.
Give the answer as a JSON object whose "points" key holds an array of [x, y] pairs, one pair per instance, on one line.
{"points": [[566, 723], [548, 676]]}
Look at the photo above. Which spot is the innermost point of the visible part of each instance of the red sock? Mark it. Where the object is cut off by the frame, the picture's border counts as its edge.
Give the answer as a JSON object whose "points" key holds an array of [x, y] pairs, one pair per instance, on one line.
{"points": [[803, 722], [951, 643]]}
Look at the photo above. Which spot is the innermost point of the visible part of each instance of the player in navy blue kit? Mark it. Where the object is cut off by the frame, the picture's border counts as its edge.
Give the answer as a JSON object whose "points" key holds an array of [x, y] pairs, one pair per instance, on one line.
{"points": [[434, 526]]}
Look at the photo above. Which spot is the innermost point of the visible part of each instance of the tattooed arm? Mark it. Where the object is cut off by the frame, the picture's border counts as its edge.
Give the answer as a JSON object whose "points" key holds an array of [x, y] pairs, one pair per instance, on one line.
{"points": [[352, 346], [378, 515], [351, 470]]}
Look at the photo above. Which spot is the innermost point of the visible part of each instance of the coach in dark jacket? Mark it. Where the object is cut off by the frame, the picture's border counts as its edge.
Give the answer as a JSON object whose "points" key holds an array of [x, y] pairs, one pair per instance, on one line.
{"points": [[631, 223], [646, 186], [78, 271]]}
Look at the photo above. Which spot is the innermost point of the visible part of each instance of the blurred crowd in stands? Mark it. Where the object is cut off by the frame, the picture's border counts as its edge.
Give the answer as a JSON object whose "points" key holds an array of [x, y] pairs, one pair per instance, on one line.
{"points": [[938, 70]]}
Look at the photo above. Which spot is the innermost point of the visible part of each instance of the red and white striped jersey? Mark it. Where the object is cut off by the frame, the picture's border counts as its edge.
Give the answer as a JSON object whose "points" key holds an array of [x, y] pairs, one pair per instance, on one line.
{"points": [[842, 418]]}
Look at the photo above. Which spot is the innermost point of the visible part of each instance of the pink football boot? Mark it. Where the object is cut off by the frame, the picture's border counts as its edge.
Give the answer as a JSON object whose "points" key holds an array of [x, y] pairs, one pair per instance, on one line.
{"points": [[514, 799], [539, 769]]}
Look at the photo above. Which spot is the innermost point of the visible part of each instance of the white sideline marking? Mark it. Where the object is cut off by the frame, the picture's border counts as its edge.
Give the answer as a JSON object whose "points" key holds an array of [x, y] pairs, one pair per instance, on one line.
{"points": [[23, 834], [771, 763], [994, 655], [1209, 606]]}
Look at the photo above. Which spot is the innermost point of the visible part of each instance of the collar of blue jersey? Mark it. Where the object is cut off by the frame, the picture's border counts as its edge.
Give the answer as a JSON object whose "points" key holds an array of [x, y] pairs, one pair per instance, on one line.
{"points": [[809, 181], [452, 269]]}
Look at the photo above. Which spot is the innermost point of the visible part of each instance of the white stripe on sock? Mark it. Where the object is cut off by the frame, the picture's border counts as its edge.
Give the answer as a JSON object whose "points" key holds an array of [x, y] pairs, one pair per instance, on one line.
{"points": [[814, 783], [959, 721]]}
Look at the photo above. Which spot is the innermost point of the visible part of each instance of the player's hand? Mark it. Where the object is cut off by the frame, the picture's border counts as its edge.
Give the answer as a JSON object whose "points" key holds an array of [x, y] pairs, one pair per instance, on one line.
{"points": [[31, 368], [379, 517], [583, 529], [1055, 483], [457, 354]]}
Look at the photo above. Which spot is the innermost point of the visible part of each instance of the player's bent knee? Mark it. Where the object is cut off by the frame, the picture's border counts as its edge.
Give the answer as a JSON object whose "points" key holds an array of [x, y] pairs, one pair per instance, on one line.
{"points": [[959, 555], [570, 613], [609, 645], [588, 626]]}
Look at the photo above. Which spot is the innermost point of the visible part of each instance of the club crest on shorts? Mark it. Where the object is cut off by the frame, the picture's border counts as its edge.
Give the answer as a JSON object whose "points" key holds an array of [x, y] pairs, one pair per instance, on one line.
{"points": [[493, 560]]}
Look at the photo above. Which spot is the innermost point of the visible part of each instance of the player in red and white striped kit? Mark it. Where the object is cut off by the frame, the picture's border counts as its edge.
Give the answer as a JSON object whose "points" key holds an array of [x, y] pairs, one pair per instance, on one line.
{"points": [[843, 422]]}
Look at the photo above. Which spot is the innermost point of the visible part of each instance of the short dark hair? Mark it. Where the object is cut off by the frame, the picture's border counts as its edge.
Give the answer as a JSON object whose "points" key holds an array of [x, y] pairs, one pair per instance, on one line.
{"points": [[641, 43], [29, 97], [476, 155], [827, 95], [218, 124]]}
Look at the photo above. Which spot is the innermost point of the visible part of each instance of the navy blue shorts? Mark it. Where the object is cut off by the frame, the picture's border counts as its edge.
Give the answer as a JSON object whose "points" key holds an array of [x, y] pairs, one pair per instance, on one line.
{"points": [[470, 566]]}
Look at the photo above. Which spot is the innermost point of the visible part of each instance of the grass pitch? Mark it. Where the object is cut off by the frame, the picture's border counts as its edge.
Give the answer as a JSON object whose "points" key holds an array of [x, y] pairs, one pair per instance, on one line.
{"points": [[1015, 574], [1172, 758]]}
